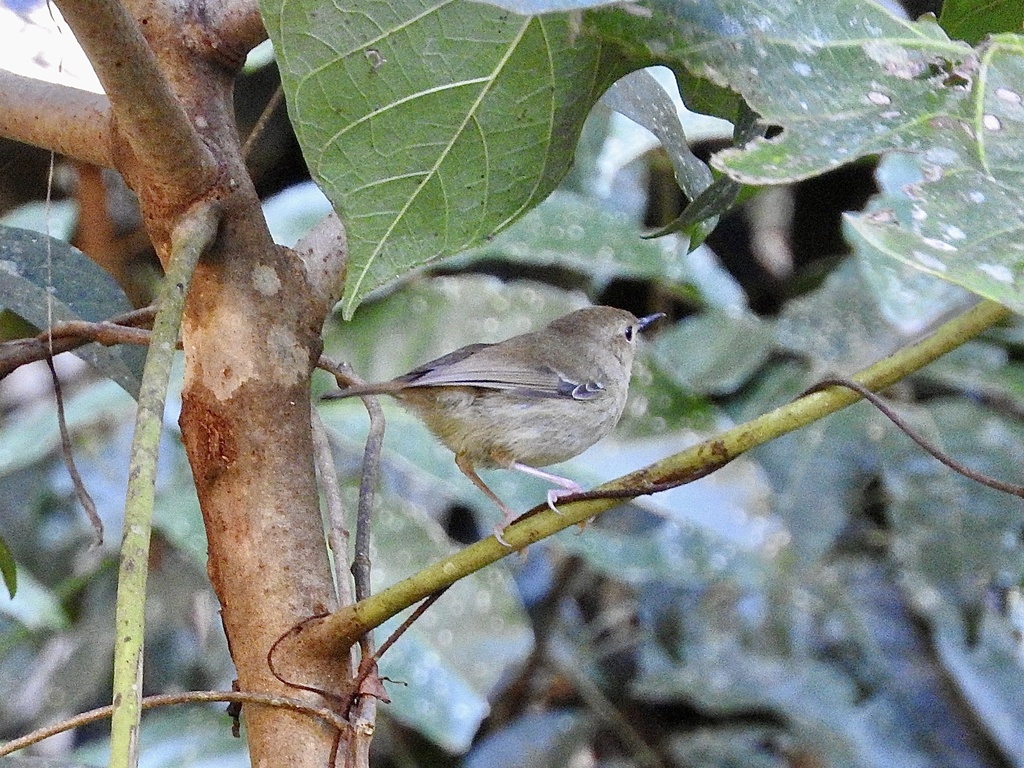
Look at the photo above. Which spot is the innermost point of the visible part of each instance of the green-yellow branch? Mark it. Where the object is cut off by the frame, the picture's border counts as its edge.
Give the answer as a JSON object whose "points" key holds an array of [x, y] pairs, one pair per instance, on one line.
{"points": [[348, 624], [190, 238]]}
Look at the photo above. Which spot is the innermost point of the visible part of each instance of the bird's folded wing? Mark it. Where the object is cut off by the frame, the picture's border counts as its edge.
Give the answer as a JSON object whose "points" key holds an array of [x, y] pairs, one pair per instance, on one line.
{"points": [[477, 366]]}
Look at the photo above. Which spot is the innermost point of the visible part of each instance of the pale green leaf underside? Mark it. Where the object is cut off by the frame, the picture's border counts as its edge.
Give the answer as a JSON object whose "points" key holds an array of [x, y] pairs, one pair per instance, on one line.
{"points": [[962, 217], [431, 126], [843, 79], [846, 80]]}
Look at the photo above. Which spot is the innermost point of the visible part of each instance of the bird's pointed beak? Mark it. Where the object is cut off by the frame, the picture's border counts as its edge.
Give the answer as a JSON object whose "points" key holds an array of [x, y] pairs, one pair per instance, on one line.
{"points": [[643, 322]]}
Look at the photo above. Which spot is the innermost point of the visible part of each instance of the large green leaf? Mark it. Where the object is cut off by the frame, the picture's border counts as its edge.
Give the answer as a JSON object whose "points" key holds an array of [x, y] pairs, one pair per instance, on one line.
{"points": [[848, 79], [46, 280], [962, 218], [843, 79], [432, 126]]}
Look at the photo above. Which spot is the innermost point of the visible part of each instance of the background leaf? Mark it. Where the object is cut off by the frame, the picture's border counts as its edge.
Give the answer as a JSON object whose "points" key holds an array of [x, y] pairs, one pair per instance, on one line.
{"points": [[568, 231], [445, 665], [971, 20], [8, 568], [81, 290]]}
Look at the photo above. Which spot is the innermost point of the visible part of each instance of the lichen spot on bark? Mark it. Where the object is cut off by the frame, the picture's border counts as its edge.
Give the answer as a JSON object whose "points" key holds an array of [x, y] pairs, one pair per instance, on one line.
{"points": [[290, 356], [265, 280]]}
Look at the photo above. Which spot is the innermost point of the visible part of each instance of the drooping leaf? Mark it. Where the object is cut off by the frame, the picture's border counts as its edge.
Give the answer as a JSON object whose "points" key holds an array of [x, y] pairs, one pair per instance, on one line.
{"points": [[700, 217], [81, 290], [431, 127], [641, 98]]}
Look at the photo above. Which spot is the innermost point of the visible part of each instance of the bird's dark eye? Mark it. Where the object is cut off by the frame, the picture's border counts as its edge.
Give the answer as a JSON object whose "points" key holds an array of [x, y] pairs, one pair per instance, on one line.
{"points": [[629, 333]]}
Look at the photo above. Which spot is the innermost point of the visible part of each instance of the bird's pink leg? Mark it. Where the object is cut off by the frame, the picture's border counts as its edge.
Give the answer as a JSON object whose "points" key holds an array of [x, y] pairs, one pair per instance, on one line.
{"points": [[570, 486], [507, 513]]}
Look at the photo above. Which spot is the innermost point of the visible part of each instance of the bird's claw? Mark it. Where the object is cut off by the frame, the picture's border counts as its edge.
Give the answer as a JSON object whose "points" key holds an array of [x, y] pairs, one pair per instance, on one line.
{"points": [[499, 529], [555, 494]]}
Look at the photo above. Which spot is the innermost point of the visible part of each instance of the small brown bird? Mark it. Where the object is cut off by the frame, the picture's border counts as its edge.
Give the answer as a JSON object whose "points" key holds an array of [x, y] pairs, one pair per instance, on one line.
{"points": [[526, 402]]}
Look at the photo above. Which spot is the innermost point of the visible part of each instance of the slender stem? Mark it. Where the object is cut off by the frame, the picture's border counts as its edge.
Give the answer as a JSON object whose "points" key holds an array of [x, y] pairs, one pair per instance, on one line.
{"points": [[72, 334], [169, 699], [191, 237], [84, 498], [346, 625], [262, 122], [367, 493], [337, 531]]}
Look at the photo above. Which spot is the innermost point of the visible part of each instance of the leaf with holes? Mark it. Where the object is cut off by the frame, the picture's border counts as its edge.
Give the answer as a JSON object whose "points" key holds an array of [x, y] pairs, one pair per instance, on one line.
{"points": [[843, 79], [849, 79], [431, 126], [960, 216]]}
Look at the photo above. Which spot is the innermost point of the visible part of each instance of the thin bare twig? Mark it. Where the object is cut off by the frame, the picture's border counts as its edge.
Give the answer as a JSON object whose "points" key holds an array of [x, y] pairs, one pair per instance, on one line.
{"points": [[367, 494], [272, 664], [122, 329], [895, 418], [340, 371], [363, 707], [413, 617], [69, 459], [337, 531], [261, 123], [169, 699], [369, 478], [364, 724]]}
